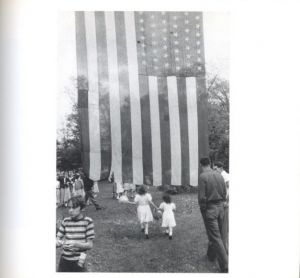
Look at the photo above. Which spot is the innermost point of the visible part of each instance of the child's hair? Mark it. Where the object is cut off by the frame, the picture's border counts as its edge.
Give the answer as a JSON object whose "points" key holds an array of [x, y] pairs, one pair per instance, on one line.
{"points": [[167, 198], [77, 201], [141, 190]]}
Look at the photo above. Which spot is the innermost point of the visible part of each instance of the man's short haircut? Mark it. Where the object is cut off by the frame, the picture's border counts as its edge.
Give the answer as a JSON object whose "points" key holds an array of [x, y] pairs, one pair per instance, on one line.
{"points": [[219, 164], [204, 161]]}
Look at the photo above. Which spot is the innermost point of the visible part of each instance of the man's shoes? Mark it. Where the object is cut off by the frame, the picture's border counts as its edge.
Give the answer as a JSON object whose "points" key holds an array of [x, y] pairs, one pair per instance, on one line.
{"points": [[224, 270], [170, 237], [147, 237]]}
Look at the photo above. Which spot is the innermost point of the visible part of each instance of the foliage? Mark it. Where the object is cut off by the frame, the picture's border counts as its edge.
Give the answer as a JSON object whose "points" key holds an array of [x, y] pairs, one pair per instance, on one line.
{"points": [[68, 148], [218, 120]]}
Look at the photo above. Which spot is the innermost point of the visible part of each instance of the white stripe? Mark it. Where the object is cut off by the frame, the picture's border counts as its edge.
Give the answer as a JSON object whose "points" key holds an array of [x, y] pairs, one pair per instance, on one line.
{"points": [[135, 104], [114, 96], [155, 130], [192, 128], [174, 131], [93, 99]]}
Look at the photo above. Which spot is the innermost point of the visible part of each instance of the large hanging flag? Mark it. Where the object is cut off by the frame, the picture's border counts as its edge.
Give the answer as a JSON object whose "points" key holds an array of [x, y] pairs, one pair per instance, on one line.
{"points": [[142, 95]]}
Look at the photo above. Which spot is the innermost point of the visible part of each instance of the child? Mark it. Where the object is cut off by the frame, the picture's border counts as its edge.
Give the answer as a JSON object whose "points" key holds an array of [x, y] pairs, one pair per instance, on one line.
{"points": [[168, 219], [78, 234], [143, 201]]}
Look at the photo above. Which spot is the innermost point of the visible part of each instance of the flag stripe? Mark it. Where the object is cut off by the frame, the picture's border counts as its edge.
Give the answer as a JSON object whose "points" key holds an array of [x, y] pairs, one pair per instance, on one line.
{"points": [[82, 84], [137, 149], [114, 96], [184, 135], [105, 136], [124, 98], [174, 130], [164, 129], [192, 129], [155, 131], [202, 117], [93, 100]]}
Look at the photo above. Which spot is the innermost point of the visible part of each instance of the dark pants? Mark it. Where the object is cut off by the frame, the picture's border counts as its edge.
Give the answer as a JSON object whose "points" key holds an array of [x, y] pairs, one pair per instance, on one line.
{"points": [[90, 195], [69, 266], [213, 218]]}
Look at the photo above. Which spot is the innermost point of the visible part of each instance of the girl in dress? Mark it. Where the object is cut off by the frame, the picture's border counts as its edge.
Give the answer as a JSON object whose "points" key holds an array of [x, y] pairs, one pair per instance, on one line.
{"points": [[168, 218], [144, 213]]}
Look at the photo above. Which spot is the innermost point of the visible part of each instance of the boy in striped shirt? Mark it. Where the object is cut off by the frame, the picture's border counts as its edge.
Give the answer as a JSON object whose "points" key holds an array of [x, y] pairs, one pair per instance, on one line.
{"points": [[75, 236]]}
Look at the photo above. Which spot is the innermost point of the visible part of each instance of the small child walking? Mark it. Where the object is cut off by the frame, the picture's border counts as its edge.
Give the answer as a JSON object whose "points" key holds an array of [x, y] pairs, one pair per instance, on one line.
{"points": [[168, 218], [75, 235], [143, 200]]}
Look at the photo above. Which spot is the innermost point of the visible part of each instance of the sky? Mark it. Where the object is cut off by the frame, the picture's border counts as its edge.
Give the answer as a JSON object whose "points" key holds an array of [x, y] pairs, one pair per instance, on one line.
{"points": [[216, 42]]}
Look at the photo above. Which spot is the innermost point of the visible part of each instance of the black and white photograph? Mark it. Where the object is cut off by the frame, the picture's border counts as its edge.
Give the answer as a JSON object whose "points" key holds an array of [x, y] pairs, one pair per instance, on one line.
{"points": [[122, 123], [143, 142]]}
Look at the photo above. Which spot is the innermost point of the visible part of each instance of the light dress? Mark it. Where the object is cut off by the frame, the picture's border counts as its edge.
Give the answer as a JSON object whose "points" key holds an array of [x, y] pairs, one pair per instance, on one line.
{"points": [[143, 209], [168, 218]]}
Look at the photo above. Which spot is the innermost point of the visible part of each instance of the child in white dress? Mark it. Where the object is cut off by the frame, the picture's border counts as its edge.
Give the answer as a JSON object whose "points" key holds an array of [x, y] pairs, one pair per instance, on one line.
{"points": [[168, 218], [144, 213]]}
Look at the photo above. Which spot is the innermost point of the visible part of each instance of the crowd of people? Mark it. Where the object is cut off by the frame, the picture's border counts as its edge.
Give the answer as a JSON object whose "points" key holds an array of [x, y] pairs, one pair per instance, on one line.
{"points": [[76, 233], [75, 183]]}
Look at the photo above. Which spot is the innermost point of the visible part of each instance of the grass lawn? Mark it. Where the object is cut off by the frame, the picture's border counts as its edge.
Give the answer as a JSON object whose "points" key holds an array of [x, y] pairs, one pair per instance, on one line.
{"points": [[120, 246]]}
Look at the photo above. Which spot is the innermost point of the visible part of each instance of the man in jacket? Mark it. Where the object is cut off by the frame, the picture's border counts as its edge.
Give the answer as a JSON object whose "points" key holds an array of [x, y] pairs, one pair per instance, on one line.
{"points": [[211, 198]]}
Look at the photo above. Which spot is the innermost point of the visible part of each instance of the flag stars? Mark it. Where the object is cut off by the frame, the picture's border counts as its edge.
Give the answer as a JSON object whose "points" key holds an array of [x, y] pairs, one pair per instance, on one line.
{"points": [[197, 26], [144, 62], [174, 17], [166, 55], [187, 47], [175, 26], [176, 42], [142, 29], [198, 51], [175, 34], [176, 59], [188, 64], [154, 60], [167, 65], [199, 68], [154, 43], [188, 56], [187, 39], [156, 67], [141, 20], [187, 30], [154, 51], [197, 34], [176, 50], [186, 21], [165, 30], [197, 17], [198, 42], [186, 13], [152, 16], [165, 38], [163, 13], [199, 60], [143, 45], [165, 47], [177, 68], [164, 21]]}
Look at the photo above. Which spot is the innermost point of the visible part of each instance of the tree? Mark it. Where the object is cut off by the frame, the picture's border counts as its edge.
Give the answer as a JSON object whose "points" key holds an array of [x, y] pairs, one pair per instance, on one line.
{"points": [[218, 119], [68, 148]]}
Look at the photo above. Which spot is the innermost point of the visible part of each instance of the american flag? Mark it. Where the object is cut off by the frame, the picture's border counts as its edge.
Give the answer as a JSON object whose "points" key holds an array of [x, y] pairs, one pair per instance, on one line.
{"points": [[142, 95]]}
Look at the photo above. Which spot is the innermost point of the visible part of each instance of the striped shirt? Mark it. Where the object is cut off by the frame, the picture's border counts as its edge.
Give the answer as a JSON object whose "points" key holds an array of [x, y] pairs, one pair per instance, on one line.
{"points": [[78, 230]]}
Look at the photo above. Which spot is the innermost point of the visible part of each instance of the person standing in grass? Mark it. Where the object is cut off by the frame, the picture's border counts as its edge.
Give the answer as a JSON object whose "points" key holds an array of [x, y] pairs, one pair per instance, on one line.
{"points": [[75, 235], [168, 218], [143, 200], [211, 198]]}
